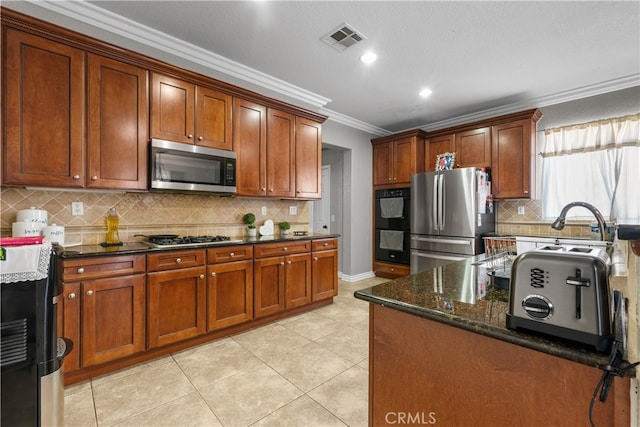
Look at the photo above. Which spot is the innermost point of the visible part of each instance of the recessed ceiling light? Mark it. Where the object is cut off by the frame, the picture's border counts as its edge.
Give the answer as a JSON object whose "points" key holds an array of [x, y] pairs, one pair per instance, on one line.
{"points": [[368, 57], [425, 92]]}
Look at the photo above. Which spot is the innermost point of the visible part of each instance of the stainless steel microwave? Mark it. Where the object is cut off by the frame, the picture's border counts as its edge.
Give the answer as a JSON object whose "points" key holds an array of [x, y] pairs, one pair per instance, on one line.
{"points": [[182, 167]]}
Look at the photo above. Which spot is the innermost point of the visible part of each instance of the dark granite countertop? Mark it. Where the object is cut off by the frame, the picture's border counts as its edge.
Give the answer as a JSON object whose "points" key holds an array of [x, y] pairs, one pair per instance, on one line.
{"points": [[139, 247], [461, 295]]}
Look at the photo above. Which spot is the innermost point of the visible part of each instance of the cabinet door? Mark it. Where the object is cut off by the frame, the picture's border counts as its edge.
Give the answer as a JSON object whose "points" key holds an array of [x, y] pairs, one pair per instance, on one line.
{"points": [[229, 294], [403, 161], [69, 323], [172, 109], [44, 112], [438, 145], [113, 318], [249, 143], [213, 118], [382, 163], [308, 164], [473, 148], [297, 280], [280, 153], [324, 274], [512, 158], [177, 304], [117, 125], [268, 286]]}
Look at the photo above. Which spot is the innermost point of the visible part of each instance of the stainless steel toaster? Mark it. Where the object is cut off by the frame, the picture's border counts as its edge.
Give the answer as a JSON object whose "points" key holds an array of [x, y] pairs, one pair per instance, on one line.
{"points": [[562, 291]]}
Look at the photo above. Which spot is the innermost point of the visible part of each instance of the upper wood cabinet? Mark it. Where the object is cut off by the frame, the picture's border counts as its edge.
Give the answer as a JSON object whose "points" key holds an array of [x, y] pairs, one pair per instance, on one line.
{"points": [[396, 158], [184, 112], [513, 158], [437, 145], [45, 115], [117, 126], [280, 153], [45, 107], [250, 142], [308, 164], [473, 148]]}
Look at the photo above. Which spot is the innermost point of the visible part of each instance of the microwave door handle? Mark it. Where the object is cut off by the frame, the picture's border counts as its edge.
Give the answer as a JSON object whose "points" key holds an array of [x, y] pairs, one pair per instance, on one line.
{"points": [[434, 204], [442, 201]]}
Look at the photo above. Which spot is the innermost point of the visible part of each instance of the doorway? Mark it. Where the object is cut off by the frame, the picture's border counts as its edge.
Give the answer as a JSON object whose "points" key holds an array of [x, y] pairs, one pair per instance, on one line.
{"points": [[322, 207]]}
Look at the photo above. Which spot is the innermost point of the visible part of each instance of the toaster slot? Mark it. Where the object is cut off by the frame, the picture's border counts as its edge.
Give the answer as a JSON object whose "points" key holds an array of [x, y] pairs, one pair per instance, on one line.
{"points": [[579, 282]]}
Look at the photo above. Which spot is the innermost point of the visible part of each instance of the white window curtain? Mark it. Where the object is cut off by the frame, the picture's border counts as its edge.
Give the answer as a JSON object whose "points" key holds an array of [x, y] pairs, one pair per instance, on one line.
{"points": [[597, 163]]}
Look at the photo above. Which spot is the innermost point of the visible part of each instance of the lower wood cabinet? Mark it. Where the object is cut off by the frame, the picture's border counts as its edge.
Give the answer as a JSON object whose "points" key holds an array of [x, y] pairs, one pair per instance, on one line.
{"points": [[268, 286], [176, 297], [389, 270], [103, 309], [229, 286], [324, 269]]}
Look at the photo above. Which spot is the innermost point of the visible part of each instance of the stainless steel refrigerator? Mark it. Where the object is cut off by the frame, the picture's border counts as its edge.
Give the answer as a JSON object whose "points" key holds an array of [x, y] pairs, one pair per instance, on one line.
{"points": [[451, 210]]}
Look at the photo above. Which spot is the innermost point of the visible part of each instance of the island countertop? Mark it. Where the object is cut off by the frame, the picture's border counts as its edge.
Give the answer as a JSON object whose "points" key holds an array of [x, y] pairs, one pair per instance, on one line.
{"points": [[460, 294]]}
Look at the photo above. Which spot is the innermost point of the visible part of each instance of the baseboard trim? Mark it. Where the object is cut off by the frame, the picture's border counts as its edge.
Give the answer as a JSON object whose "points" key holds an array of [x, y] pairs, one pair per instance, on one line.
{"points": [[356, 277]]}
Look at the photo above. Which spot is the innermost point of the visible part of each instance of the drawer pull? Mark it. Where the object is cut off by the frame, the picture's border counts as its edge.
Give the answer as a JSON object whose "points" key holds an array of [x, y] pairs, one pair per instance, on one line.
{"points": [[89, 292], [231, 254], [178, 260], [285, 249], [80, 270], [202, 276], [325, 244], [72, 295]]}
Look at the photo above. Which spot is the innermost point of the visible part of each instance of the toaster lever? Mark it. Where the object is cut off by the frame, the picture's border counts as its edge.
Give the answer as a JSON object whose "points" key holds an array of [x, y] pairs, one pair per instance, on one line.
{"points": [[578, 281]]}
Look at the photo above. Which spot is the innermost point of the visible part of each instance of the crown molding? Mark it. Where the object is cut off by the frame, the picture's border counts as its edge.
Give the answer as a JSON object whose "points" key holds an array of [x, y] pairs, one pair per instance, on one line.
{"points": [[354, 123], [92, 15]]}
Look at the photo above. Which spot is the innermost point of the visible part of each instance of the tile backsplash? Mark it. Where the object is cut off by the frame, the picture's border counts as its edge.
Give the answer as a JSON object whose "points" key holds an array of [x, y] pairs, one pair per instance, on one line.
{"points": [[148, 213], [532, 223]]}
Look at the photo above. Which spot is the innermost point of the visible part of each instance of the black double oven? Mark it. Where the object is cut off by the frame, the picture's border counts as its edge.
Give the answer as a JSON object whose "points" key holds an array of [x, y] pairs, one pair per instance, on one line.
{"points": [[393, 225]]}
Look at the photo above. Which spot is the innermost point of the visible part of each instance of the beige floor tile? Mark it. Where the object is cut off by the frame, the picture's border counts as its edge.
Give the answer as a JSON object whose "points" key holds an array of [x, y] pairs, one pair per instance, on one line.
{"points": [[364, 364], [311, 325], [301, 412], [147, 389], [345, 396], [309, 366], [214, 362], [78, 409], [270, 340], [102, 379], [345, 314], [187, 411], [243, 399], [350, 343], [77, 388]]}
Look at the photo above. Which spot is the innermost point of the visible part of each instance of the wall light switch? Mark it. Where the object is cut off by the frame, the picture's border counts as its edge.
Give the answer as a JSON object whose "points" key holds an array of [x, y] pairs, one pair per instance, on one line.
{"points": [[77, 208], [263, 210], [293, 210], [520, 210]]}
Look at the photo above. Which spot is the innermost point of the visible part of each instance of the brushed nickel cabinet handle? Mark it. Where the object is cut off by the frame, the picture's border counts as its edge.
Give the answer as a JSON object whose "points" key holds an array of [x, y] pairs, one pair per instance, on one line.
{"points": [[178, 260], [94, 178], [200, 138], [231, 254], [89, 293], [202, 276], [213, 273], [315, 258], [72, 295], [189, 136], [80, 270], [76, 176]]}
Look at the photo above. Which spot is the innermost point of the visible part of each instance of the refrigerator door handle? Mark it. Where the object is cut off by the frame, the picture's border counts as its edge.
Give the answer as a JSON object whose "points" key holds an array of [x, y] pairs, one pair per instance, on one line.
{"points": [[433, 256], [442, 201], [441, 240], [434, 204]]}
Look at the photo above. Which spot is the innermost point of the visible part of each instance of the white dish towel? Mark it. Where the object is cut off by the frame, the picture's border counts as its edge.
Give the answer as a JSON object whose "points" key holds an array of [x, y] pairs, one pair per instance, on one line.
{"points": [[25, 263]]}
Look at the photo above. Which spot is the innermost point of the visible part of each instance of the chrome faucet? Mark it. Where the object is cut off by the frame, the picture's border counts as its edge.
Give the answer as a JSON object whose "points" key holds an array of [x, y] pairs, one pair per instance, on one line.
{"points": [[558, 224]]}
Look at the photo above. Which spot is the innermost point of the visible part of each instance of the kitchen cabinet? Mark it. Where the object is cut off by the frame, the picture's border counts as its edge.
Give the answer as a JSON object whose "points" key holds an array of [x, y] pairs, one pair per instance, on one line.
{"points": [[396, 158], [280, 154], [191, 114], [282, 276], [46, 99], [390, 270], [473, 148], [103, 308], [176, 296], [513, 158], [250, 143], [324, 269], [308, 164], [117, 125], [45, 112], [438, 145], [229, 286]]}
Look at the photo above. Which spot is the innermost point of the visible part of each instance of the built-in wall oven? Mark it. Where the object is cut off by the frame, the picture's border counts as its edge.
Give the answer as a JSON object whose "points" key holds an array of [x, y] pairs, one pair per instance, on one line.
{"points": [[393, 225]]}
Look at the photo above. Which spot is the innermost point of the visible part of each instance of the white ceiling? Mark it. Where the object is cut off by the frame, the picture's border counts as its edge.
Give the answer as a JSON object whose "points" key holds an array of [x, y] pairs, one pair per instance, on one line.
{"points": [[478, 57]]}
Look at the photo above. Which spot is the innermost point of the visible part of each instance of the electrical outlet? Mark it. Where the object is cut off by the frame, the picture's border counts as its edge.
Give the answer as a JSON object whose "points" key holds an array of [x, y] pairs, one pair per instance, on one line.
{"points": [[77, 208], [520, 210], [263, 210], [293, 210]]}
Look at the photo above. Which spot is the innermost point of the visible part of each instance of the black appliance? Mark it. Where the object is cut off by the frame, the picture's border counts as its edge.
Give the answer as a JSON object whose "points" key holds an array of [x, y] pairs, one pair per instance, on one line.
{"points": [[393, 225], [31, 354], [191, 168]]}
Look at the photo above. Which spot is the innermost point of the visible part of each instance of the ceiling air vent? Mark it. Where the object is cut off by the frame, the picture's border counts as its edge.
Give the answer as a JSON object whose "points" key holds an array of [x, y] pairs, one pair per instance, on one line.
{"points": [[343, 37]]}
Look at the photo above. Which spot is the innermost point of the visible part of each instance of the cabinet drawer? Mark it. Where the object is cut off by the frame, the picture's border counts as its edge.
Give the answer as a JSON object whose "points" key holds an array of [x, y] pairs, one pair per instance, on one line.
{"points": [[324, 244], [229, 254], [279, 249], [391, 271], [175, 259], [94, 268]]}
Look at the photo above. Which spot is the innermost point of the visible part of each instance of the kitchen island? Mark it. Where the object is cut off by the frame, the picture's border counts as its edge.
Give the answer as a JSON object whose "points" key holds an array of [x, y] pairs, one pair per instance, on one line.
{"points": [[440, 353]]}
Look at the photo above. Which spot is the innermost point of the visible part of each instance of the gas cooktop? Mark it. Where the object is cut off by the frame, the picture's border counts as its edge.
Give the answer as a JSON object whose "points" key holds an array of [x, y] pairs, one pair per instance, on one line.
{"points": [[169, 242]]}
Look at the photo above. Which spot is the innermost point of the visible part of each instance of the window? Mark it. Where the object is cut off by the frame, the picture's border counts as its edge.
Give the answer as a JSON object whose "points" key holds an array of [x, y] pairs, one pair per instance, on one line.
{"points": [[597, 163]]}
